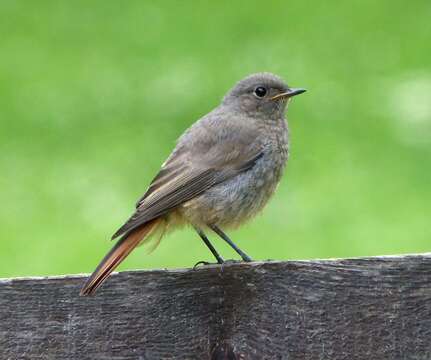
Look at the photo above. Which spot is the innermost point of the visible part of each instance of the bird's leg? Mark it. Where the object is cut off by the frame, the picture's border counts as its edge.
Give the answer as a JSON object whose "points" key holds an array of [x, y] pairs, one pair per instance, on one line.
{"points": [[220, 233], [210, 246]]}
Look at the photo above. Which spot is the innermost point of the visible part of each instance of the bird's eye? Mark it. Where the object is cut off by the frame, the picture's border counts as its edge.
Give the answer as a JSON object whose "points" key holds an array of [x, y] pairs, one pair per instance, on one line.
{"points": [[260, 91]]}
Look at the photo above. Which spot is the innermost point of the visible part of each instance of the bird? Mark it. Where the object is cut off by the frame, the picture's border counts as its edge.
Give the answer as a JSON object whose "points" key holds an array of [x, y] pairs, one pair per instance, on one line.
{"points": [[221, 173]]}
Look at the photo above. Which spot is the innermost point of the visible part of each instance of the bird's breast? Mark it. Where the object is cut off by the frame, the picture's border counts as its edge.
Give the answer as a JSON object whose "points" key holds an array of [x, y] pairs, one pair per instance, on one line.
{"points": [[238, 199]]}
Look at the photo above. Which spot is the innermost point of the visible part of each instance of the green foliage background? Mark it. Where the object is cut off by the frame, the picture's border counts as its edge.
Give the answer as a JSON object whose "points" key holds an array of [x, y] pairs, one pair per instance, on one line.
{"points": [[94, 94]]}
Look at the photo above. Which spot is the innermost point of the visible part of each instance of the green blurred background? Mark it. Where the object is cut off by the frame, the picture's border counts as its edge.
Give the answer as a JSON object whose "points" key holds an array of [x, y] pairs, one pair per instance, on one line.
{"points": [[94, 95]]}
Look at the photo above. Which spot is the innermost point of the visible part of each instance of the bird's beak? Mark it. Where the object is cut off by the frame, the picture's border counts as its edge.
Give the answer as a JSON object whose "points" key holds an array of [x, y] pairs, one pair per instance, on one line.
{"points": [[288, 94]]}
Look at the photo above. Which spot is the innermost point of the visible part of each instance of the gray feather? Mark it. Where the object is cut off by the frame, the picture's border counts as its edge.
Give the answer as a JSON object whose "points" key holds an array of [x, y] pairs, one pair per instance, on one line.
{"points": [[196, 166]]}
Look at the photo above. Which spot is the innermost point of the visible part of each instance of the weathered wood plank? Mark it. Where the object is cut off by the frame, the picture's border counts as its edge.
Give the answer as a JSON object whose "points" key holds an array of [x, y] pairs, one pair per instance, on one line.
{"points": [[375, 308]]}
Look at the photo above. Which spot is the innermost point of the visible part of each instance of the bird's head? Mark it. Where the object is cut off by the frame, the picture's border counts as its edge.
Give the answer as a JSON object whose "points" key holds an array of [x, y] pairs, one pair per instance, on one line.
{"points": [[262, 94]]}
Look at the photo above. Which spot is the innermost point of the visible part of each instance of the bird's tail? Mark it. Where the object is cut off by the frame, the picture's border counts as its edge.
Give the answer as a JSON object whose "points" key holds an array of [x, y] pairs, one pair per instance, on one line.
{"points": [[118, 253]]}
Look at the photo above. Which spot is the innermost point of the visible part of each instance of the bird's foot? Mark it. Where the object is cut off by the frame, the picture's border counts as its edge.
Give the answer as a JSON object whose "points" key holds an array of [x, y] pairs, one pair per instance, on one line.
{"points": [[222, 262], [204, 263], [207, 263]]}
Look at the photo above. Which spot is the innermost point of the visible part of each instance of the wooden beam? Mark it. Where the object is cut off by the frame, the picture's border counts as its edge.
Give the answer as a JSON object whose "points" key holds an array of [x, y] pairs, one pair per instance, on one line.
{"points": [[373, 308]]}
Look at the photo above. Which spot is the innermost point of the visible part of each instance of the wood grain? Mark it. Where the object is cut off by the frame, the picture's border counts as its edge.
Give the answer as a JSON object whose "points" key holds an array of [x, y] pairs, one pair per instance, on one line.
{"points": [[374, 308]]}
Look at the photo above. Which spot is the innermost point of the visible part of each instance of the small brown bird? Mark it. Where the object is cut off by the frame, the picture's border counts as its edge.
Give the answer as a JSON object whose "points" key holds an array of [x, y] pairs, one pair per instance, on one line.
{"points": [[222, 172]]}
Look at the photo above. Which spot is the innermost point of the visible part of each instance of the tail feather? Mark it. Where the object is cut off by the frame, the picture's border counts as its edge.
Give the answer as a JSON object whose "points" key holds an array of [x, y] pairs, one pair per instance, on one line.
{"points": [[116, 255]]}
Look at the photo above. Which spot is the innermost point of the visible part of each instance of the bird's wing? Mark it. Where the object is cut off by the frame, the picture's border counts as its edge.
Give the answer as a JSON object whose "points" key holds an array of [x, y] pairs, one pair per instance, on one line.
{"points": [[194, 167]]}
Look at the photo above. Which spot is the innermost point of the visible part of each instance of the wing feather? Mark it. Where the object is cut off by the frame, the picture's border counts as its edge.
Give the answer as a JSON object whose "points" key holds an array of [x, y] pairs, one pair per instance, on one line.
{"points": [[179, 190], [206, 155]]}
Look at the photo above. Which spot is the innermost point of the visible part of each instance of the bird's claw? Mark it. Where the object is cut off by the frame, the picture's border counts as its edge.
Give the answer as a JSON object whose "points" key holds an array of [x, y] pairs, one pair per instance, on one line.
{"points": [[204, 263], [224, 262]]}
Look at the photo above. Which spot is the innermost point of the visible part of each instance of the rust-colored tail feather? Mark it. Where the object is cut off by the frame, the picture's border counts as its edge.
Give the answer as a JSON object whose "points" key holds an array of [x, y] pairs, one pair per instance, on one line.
{"points": [[116, 255]]}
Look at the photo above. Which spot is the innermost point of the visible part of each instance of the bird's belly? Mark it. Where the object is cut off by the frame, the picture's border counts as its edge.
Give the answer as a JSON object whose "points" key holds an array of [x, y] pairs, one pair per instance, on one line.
{"points": [[235, 201]]}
